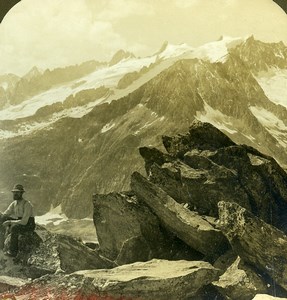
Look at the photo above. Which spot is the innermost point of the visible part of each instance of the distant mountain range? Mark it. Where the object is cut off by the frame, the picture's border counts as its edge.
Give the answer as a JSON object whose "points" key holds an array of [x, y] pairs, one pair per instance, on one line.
{"points": [[69, 132]]}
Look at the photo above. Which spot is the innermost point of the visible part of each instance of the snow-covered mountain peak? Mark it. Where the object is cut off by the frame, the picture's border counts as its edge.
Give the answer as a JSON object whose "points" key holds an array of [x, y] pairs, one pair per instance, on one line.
{"points": [[102, 83], [170, 50], [216, 51]]}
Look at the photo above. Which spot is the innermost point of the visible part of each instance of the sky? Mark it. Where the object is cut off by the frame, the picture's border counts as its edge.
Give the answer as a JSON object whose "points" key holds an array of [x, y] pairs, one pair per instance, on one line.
{"points": [[57, 33]]}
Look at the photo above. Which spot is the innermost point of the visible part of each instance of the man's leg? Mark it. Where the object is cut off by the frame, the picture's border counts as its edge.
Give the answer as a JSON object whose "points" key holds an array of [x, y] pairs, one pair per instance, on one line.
{"points": [[15, 231], [3, 229]]}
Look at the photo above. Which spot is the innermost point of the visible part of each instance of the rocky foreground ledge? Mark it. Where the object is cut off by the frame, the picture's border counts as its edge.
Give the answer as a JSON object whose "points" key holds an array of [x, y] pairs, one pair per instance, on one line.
{"points": [[208, 222], [155, 279]]}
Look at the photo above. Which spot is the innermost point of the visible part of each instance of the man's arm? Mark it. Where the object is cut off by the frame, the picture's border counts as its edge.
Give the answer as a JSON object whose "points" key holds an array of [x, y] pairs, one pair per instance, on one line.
{"points": [[10, 210]]}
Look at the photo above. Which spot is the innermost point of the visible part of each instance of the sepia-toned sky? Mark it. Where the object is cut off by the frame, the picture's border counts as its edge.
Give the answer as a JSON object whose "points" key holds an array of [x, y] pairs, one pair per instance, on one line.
{"points": [[56, 33]]}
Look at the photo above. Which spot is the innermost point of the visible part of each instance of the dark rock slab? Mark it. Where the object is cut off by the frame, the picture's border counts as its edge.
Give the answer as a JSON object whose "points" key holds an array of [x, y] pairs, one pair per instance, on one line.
{"points": [[201, 188], [257, 243], [262, 179], [196, 231], [128, 231], [153, 155]]}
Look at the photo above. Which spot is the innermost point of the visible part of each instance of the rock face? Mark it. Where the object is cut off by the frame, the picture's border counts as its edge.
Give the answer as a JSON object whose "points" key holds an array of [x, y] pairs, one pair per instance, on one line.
{"points": [[128, 231], [259, 244], [203, 172], [143, 280], [194, 230]]}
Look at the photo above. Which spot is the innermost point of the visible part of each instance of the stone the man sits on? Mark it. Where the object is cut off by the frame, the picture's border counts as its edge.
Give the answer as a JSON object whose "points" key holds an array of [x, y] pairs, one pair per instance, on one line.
{"points": [[17, 218]]}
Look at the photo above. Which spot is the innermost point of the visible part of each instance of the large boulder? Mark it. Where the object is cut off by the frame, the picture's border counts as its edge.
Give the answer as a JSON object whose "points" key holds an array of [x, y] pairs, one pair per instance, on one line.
{"points": [[155, 279], [128, 231], [61, 253], [195, 230], [257, 243]]}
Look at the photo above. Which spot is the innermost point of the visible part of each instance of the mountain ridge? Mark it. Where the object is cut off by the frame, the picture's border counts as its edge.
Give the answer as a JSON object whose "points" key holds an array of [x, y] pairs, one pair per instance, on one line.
{"points": [[78, 151]]}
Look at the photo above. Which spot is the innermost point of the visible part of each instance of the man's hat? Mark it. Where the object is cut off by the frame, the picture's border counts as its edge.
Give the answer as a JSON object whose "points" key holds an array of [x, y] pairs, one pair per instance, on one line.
{"points": [[18, 188]]}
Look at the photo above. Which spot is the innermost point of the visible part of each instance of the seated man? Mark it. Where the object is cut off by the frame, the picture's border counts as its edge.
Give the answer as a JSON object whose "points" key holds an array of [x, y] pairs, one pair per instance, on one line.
{"points": [[18, 218]]}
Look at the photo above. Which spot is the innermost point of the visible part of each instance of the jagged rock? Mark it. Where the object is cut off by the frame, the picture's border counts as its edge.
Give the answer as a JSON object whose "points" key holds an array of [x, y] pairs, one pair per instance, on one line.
{"points": [[155, 279], [202, 136], [204, 172], [8, 283], [60, 253], [196, 231], [240, 282], [128, 231], [120, 55], [201, 189], [263, 180], [128, 79], [259, 244], [153, 155]]}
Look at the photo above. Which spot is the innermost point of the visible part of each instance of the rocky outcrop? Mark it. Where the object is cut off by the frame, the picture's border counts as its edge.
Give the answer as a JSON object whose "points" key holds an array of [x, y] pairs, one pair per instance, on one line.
{"points": [[196, 231], [128, 231], [240, 282], [128, 79], [202, 136], [200, 187], [155, 279], [161, 218], [119, 56], [204, 166], [259, 244]]}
